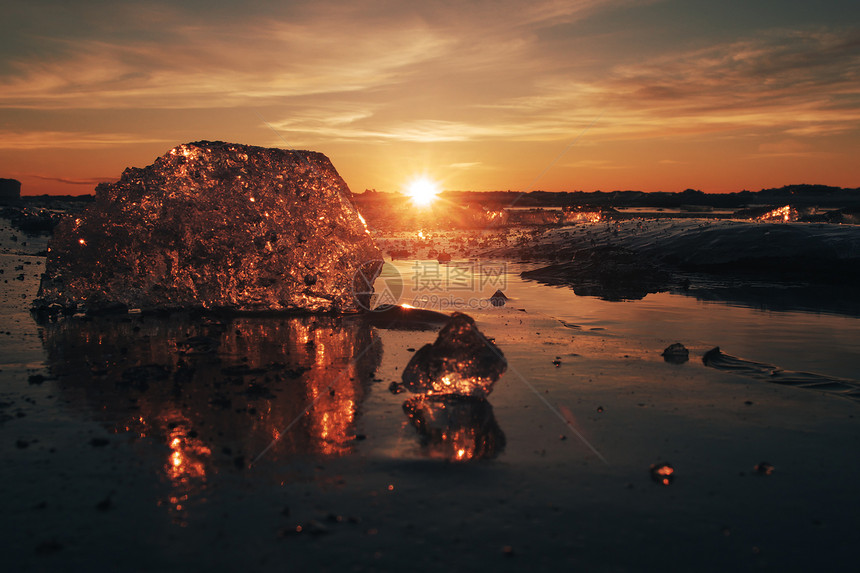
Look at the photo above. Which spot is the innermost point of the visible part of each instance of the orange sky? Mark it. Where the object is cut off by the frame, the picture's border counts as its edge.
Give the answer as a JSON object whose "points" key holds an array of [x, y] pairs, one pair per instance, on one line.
{"points": [[553, 95]]}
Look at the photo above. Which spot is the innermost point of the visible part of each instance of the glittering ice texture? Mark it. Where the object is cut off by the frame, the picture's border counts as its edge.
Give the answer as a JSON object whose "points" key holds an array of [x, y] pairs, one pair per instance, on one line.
{"points": [[460, 362], [216, 225]]}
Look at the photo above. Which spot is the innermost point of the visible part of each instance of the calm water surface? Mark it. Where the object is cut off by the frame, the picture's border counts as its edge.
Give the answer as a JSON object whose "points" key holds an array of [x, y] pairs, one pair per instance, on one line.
{"points": [[826, 343]]}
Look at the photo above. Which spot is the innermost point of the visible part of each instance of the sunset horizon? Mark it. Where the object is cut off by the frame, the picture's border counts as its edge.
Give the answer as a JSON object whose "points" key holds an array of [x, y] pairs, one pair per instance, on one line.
{"points": [[586, 95], [430, 286], [37, 185]]}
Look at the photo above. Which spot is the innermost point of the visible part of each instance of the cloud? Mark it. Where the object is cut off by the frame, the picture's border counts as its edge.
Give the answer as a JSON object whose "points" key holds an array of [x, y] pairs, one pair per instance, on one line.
{"points": [[790, 80], [171, 57], [798, 83], [89, 182], [788, 146], [297, 129], [215, 66], [33, 140], [596, 164]]}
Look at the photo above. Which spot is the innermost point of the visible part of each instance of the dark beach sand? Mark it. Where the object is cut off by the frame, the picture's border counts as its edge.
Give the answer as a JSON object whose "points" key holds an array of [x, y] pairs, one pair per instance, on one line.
{"points": [[126, 442]]}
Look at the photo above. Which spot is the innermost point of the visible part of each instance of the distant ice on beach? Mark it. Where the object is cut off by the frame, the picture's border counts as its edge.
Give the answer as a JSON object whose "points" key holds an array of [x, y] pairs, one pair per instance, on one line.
{"points": [[812, 266]]}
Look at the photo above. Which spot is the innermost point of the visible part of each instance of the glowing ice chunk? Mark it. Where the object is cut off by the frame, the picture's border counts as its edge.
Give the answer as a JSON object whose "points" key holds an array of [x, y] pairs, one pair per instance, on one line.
{"points": [[184, 233], [461, 362]]}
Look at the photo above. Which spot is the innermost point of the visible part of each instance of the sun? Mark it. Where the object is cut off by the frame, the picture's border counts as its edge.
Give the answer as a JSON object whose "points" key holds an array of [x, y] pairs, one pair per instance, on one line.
{"points": [[422, 191]]}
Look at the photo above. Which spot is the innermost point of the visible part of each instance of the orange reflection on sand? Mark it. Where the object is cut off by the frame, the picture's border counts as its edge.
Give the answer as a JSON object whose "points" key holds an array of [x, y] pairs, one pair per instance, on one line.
{"points": [[330, 385], [185, 469], [455, 429], [332, 419], [463, 444], [215, 392], [187, 460]]}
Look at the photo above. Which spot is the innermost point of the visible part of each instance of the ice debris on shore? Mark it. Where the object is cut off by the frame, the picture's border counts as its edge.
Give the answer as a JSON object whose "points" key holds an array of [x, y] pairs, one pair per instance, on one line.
{"points": [[461, 362], [676, 353], [764, 469], [498, 298], [845, 387], [662, 473], [216, 225]]}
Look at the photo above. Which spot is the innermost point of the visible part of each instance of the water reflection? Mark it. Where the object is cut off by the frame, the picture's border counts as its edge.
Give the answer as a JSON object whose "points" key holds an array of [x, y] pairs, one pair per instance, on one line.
{"points": [[455, 428], [217, 392], [780, 297]]}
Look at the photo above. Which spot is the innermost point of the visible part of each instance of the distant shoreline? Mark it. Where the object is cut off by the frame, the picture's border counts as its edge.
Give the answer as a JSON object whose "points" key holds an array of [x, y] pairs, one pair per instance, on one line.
{"points": [[690, 199], [797, 195]]}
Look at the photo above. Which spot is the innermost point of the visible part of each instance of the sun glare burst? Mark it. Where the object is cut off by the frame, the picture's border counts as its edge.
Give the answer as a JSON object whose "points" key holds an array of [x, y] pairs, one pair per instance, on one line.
{"points": [[422, 191]]}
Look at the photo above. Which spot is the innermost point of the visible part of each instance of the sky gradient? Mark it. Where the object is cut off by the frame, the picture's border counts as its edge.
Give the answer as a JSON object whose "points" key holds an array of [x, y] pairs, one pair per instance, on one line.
{"points": [[560, 96]]}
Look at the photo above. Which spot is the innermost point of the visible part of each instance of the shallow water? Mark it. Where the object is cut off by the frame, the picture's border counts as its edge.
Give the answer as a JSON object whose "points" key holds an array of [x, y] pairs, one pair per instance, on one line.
{"points": [[826, 343]]}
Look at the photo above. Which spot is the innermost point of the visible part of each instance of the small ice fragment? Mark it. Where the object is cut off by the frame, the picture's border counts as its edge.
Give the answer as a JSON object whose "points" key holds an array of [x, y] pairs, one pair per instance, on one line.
{"points": [[676, 353], [764, 469], [498, 298], [662, 473], [461, 361]]}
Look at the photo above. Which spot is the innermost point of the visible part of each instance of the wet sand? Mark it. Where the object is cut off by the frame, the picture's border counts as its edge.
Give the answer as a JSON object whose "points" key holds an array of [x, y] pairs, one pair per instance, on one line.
{"points": [[142, 443]]}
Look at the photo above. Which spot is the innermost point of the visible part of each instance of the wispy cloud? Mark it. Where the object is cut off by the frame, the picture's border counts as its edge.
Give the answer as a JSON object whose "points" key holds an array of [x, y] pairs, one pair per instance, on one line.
{"points": [[88, 182], [788, 80], [208, 61], [215, 66], [34, 140], [596, 164], [417, 131], [787, 148], [793, 82]]}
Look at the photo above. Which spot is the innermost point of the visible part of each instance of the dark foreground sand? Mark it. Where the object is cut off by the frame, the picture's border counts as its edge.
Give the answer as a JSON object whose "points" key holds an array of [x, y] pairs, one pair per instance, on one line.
{"points": [[126, 442]]}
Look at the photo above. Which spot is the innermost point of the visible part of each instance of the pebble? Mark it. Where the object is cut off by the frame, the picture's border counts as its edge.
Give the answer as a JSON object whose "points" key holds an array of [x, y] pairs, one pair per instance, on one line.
{"points": [[764, 469]]}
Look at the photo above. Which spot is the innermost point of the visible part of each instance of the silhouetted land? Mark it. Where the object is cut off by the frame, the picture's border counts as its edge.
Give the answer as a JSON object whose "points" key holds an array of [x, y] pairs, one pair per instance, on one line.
{"points": [[798, 195]]}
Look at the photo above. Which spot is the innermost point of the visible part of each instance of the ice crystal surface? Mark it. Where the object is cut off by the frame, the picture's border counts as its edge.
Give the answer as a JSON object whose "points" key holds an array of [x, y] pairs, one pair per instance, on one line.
{"points": [[216, 225], [461, 362]]}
